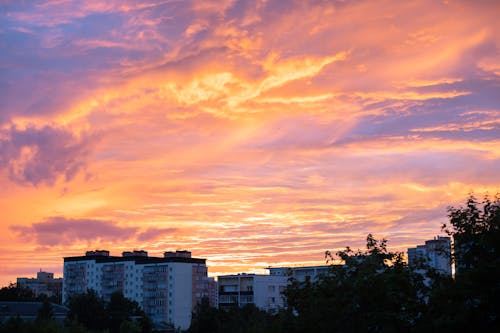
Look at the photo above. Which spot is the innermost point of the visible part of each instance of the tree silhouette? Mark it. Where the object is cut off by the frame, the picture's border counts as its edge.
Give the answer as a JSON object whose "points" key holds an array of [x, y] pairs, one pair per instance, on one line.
{"points": [[373, 291], [472, 300]]}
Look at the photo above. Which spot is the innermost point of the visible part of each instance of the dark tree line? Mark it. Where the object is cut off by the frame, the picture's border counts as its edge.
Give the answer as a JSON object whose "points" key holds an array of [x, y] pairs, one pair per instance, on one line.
{"points": [[118, 315], [15, 293], [375, 291], [88, 313]]}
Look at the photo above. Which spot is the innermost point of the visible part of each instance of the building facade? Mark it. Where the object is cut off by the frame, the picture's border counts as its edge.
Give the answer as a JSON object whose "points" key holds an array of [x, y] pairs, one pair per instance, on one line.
{"points": [[264, 291], [435, 254], [167, 288], [300, 273], [44, 283], [213, 295]]}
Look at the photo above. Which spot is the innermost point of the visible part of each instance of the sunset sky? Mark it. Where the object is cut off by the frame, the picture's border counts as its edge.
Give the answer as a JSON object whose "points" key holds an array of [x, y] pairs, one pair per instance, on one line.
{"points": [[252, 133]]}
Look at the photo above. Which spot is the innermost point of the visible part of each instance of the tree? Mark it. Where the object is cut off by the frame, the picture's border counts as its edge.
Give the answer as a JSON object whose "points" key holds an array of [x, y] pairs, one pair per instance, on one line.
{"points": [[45, 312], [246, 319], [129, 327], [15, 293], [120, 310], [373, 291], [89, 310], [476, 234], [472, 300], [205, 318]]}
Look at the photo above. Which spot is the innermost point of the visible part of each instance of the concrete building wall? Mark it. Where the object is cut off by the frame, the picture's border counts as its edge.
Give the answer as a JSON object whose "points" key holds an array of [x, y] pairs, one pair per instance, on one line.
{"points": [[166, 288], [43, 284], [268, 292], [435, 254], [182, 291], [300, 273], [264, 291]]}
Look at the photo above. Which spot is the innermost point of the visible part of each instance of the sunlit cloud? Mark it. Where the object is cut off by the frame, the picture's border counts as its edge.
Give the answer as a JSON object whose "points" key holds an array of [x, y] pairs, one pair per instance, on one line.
{"points": [[40, 155], [252, 133]]}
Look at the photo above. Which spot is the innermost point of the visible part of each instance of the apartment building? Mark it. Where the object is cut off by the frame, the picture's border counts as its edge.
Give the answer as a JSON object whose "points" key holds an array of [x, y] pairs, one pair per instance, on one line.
{"points": [[300, 273], [213, 295], [167, 288], [264, 291], [44, 283], [435, 254]]}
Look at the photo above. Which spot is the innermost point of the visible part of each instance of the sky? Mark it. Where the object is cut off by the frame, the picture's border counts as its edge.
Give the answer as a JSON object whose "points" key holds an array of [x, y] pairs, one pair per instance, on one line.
{"points": [[252, 133]]}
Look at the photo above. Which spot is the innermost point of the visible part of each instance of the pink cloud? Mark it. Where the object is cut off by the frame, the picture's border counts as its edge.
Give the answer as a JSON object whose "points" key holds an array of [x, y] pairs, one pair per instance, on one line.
{"points": [[40, 155], [66, 231]]}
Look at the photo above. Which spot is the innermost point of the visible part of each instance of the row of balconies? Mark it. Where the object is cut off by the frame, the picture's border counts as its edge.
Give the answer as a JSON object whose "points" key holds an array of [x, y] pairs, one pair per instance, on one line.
{"points": [[155, 294]]}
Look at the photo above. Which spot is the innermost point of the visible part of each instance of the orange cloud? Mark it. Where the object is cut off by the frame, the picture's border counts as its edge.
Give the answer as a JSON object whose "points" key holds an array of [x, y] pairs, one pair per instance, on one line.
{"points": [[253, 133]]}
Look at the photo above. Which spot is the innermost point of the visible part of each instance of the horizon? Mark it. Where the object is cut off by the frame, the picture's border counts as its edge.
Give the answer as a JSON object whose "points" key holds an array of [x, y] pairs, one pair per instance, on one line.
{"points": [[255, 270], [251, 133]]}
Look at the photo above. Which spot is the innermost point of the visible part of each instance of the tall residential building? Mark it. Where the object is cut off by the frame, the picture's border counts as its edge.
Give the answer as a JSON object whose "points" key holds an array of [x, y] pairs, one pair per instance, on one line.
{"points": [[300, 273], [44, 283], [167, 288], [435, 254], [264, 291]]}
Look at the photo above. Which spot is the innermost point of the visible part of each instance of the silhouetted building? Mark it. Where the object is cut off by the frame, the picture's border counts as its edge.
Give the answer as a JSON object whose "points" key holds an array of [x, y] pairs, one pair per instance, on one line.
{"points": [[435, 254], [300, 273], [44, 283], [29, 310], [167, 288]]}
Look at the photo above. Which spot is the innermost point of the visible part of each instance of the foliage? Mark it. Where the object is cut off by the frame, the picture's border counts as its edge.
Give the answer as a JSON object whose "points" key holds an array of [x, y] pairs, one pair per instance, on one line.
{"points": [[18, 325], [14, 293], [88, 313], [118, 315], [373, 291], [89, 310], [45, 312], [472, 300], [248, 319], [129, 327], [121, 311]]}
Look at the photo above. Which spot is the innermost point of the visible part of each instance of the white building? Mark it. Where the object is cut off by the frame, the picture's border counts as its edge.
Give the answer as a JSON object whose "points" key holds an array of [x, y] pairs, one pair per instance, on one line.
{"points": [[167, 288], [300, 273], [264, 291], [44, 283], [435, 254]]}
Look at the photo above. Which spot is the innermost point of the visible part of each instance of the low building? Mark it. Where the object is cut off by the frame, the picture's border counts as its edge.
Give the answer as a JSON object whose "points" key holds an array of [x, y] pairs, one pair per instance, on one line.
{"points": [[43, 284], [264, 291], [435, 254], [167, 288], [300, 273], [29, 310]]}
